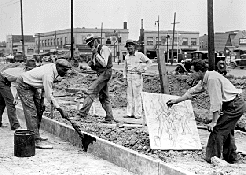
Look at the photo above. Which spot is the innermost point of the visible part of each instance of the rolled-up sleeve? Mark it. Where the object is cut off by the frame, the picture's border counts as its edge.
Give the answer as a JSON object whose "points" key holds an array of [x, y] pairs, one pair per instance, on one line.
{"points": [[215, 95], [194, 90], [48, 83], [146, 60]]}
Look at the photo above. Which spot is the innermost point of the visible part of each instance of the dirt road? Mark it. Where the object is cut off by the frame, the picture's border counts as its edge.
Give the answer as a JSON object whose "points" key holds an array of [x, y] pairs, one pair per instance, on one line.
{"points": [[63, 159]]}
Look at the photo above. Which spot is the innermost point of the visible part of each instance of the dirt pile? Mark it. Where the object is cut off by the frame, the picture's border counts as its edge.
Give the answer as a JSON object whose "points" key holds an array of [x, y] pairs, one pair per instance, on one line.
{"points": [[138, 138]]}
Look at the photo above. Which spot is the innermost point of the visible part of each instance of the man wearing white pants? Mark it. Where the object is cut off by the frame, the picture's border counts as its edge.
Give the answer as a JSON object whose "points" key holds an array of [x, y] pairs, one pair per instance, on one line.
{"points": [[136, 63]]}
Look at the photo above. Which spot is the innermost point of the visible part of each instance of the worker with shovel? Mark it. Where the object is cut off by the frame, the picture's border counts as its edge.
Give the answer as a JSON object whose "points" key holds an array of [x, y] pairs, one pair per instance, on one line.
{"points": [[227, 107], [28, 87]]}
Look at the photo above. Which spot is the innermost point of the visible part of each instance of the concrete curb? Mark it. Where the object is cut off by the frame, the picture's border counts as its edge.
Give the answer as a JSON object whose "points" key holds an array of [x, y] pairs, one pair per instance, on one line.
{"points": [[117, 154]]}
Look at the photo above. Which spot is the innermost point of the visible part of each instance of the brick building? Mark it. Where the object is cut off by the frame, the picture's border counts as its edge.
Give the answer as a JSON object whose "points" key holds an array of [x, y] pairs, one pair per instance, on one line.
{"points": [[61, 40], [14, 44]]}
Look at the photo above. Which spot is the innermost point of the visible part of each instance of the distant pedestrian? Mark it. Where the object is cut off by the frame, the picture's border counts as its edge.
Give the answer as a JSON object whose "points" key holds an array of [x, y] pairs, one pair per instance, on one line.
{"points": [[29, 85], [227, 106], [8, 77], [136, 63], [102, 63]]}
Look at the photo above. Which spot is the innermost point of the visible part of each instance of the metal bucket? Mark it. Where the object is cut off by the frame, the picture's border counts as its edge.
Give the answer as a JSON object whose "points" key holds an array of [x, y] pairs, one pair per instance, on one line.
{"points": [[24, 143]]}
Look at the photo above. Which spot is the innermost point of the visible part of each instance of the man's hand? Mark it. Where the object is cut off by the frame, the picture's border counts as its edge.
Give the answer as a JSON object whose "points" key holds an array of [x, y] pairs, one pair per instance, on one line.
{"points": [[62, 112], [94, 50], [142, 70], [211, 126], [90, 63], [170, 103], [15, 101]]}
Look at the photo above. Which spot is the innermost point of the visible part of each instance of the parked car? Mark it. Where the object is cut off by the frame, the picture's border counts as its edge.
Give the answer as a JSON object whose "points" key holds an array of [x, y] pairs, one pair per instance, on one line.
{"points": [[239, 62]]}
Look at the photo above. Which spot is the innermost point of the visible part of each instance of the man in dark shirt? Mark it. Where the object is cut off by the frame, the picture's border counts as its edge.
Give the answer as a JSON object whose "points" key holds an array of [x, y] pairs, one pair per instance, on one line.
{"points": [[101, 62]]}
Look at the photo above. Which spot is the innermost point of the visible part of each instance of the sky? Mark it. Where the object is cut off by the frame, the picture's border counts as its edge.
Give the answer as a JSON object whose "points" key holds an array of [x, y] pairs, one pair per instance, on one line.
{"points": [[49, 15]]}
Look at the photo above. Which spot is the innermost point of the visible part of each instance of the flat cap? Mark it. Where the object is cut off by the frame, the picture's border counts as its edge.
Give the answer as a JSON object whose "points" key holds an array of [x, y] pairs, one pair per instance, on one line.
{"points": [[31, 63], [130, 41], [63, 63]]}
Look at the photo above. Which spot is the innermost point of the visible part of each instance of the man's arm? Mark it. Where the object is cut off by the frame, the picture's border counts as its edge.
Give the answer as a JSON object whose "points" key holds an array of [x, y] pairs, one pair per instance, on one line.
{"points": [[188, 95], [125, 69], [48, 83]]}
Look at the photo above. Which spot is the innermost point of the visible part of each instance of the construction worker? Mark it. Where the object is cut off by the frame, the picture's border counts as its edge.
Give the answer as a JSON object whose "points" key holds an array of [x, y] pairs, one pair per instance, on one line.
{"points": [[136, 63], [28, 87], [101, 62], [8, 76], [227, 107]]}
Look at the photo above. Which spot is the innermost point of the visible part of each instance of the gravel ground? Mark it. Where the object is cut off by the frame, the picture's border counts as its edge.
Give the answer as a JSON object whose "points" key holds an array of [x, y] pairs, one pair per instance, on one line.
{"points": [[137, 138], [63, 159]]}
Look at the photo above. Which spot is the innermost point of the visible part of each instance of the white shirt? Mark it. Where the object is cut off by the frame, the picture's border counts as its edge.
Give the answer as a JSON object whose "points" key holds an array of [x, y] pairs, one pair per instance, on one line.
{"points": [[219, 88], [102, 58], [43, 77], [134, 63], [13, 73]]}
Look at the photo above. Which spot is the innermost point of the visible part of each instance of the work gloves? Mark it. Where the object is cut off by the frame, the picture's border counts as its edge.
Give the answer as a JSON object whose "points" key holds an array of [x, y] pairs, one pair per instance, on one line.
{"points": [[62, 112]]}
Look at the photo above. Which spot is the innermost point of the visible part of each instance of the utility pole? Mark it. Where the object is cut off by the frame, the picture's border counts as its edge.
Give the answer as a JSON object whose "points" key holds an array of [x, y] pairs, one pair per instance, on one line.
{"points": [[71, 30], [173, 35], [162, 67], [22, 35], [38, 43], [168, 36], [55, 40], [211, 54], [101, 31]]}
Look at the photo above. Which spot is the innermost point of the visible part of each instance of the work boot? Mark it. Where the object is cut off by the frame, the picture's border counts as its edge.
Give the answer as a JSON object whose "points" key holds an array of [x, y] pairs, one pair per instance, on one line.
{"points": [[110, 121], [129, 116], [42, 145], [75, 118], [42, 138], [16, 128]]}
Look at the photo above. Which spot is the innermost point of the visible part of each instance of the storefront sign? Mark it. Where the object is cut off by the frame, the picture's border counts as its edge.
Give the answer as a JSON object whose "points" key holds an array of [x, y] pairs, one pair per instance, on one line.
{"points": [[242, 41]]}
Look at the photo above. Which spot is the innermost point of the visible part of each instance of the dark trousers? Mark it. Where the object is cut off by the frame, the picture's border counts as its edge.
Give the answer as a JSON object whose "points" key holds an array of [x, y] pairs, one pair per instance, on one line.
{"points": [[99, 87], [7, 100], [32, 104], [221, 142]]}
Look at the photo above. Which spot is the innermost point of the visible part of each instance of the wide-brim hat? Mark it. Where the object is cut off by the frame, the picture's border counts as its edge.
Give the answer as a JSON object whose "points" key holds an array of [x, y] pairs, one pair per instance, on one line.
{"points": [[90, 38], [130, 41]]}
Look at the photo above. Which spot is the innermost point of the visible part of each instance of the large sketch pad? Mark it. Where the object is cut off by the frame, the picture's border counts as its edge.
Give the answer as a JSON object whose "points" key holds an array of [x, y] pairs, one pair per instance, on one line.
{"points": [[170, 128]]}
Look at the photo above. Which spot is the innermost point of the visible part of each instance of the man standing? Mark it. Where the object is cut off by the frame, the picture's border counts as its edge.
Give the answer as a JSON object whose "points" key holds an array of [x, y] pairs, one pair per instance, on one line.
{"points": [[7, 79], [101, 62], [227, 107], [136, 63], [28, 87]]}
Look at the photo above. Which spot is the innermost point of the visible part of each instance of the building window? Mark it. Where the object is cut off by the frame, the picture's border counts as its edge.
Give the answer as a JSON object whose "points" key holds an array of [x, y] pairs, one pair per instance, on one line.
{"points": [[150, 41], [193, 41], [48, 42], [61, 41], [58, 41], [185, 41], [51, 42], [45, 43], [157, 41], [65, 40]]}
